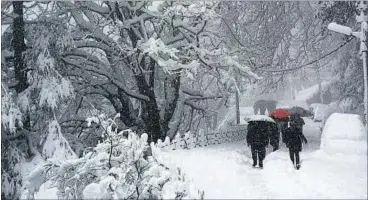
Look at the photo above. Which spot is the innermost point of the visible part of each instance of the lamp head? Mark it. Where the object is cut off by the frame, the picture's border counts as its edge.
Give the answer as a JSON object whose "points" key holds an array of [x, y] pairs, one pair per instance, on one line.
{"points": [[339, 28]]}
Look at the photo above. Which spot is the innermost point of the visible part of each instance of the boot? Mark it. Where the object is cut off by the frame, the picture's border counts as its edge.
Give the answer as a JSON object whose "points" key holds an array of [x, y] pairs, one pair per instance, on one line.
{"points": [[261, 165], [297, 166], [254, 164]]}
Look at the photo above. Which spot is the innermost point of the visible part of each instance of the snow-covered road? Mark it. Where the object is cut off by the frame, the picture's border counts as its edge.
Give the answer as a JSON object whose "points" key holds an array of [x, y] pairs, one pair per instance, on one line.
{"points": [[225, 172]]}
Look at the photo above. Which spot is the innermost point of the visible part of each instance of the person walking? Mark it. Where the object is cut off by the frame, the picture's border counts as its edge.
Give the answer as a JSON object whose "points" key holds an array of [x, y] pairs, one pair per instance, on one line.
{"points": [[294, 137], [274, 135], [281, 117], [258, 139]]}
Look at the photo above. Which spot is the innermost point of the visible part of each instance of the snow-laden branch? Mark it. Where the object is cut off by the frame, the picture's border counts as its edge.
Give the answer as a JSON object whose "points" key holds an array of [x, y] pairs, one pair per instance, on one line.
{"points": [[309, 63], [92, 6], [192, 92], [87, 56], [229, 61], [94, 44], [194, 30], [93, 29], [205, 97], [196, 95], [172, 40], [158, 51], [138, 6], [194, 106], [137, 19], [97, 69]]}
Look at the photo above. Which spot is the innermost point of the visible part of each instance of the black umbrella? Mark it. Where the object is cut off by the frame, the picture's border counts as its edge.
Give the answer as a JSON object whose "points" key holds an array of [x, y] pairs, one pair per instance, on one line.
{"points": [[301, 111]]}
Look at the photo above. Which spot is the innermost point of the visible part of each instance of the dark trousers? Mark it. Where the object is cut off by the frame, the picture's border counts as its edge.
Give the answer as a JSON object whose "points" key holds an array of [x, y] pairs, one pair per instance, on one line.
{"points": [[259, 151], [294, 153], [275, 146]]}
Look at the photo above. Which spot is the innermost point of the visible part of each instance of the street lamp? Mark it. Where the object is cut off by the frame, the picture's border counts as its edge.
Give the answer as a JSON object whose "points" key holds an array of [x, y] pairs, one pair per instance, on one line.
{"points": [[362, 19]]}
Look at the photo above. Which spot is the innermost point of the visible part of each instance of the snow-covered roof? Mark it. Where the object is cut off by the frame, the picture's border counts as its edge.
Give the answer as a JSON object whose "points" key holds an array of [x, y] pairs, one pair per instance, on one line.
{"points": [[258, 118]]}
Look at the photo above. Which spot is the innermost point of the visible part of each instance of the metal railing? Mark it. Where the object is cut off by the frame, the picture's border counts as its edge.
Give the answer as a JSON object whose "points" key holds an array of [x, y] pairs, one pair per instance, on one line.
{"points": [[190, 141]]}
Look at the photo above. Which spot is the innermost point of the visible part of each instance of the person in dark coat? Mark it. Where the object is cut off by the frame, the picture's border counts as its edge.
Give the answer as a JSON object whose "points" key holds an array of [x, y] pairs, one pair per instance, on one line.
{"points": [[281, 125], [262, 105], [293, 138], [274, 135], [258, 140]]}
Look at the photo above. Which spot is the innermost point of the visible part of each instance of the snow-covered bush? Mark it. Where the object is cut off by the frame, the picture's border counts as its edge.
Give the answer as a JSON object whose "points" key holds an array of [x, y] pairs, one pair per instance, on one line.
{"points": [[117, 168], [344, 133]]}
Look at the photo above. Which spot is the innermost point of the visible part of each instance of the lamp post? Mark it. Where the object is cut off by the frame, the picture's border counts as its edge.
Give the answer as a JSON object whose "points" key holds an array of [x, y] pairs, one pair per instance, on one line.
{"points": [[362, 19]]}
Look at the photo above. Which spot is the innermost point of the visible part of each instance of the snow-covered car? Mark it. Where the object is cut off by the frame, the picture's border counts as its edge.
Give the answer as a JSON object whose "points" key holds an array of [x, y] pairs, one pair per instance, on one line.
{"points": [[344, 134]]}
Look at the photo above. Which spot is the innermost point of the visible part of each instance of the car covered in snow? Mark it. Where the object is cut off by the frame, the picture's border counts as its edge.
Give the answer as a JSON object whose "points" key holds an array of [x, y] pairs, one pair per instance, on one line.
{"points": [[344, 134]]}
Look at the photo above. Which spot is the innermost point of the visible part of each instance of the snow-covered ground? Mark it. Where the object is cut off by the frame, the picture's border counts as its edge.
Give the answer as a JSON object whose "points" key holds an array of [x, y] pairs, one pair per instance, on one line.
{"points": [[225, 172]]}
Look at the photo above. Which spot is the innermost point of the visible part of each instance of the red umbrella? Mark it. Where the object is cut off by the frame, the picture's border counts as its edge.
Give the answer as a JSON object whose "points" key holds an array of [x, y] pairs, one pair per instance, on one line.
{"points": [[280, 113]]}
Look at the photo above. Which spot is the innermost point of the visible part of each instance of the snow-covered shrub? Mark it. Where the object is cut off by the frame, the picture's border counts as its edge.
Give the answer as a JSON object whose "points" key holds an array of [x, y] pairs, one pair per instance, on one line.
{"points": [[117, 168], [344, 133]]}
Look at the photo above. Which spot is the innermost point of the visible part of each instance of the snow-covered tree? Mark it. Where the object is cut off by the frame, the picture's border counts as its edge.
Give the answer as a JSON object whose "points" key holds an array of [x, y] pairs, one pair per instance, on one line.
{"points": [[139, 58], [275, 53], [32, 91], [117, 168], [347, 81]]}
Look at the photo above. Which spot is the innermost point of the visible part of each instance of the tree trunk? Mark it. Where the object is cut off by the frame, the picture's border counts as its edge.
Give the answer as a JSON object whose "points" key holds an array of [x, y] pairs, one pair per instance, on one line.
{"points": [[237, 107], [319, 83], [177, 117], [11, 175], [19, 48], [150, 111], [171, 101]]}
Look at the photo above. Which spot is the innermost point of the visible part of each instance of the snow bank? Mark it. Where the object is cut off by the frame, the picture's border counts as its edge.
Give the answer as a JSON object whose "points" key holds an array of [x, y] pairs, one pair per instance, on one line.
{"points": [[47, 191], [344, 133], [337, 146]]}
